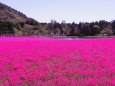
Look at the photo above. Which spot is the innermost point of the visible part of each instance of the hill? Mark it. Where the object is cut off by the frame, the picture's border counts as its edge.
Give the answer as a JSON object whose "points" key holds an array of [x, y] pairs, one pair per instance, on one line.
{"points": [[9, 14]]}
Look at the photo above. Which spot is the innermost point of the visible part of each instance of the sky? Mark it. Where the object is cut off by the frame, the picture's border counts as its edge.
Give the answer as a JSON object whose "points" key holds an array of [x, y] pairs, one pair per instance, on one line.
{"points": [[68, 10]]}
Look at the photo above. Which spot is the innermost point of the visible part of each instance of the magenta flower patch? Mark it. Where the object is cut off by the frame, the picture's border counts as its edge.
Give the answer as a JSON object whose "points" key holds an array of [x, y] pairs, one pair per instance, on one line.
{"points": [[49, 62]]}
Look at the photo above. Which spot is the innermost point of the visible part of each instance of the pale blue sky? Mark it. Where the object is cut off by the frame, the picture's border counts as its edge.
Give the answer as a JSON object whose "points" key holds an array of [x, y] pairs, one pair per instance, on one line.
{"points": [[68, 10]]}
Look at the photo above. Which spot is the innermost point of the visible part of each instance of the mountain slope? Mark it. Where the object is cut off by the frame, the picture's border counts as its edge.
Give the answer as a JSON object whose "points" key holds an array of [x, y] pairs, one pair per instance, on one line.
{"points": [[9, 14]]}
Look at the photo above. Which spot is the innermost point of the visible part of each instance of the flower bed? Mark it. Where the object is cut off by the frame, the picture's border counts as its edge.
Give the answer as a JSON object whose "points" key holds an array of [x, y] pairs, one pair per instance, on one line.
{"points": [[49, 62]]}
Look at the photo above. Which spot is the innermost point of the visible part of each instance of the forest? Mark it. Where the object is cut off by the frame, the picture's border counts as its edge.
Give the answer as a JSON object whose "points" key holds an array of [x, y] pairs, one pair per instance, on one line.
{"points": [[32, 27]]}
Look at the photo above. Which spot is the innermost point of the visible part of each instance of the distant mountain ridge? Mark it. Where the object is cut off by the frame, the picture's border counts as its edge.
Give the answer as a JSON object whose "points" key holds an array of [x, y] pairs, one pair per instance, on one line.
{"points": [[9, 14]]}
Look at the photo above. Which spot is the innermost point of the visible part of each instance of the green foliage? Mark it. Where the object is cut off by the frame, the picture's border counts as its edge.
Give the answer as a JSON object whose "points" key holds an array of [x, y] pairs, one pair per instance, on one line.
{"points": [[42, 31], [17, 32], [6, 28], [28, 30], [64, 28], [31, 21], [95, 30], [56, 31], [72, 29], [18, 26], [113, 26], [107, 31], [37, 27]]}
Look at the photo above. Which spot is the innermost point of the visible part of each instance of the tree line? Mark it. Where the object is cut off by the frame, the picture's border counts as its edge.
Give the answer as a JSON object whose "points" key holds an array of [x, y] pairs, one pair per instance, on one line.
{"points": [[32, 27]]}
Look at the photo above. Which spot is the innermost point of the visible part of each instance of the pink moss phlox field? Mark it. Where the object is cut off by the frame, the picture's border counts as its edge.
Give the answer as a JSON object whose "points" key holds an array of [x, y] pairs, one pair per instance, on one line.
{"points": [[53, 62]]}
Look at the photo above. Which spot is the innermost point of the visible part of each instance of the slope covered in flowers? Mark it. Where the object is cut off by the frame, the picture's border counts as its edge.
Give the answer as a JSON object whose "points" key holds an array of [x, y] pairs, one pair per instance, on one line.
{"points": [[49, 62]]}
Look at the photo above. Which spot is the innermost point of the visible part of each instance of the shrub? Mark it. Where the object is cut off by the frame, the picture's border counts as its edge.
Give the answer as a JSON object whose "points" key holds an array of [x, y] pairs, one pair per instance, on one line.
{"points": [[107, 32]]}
